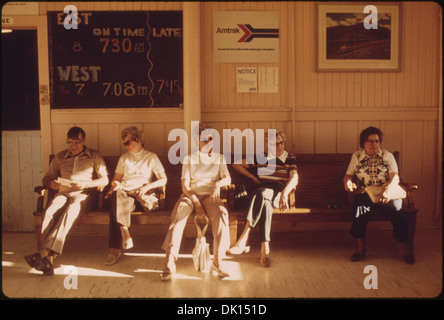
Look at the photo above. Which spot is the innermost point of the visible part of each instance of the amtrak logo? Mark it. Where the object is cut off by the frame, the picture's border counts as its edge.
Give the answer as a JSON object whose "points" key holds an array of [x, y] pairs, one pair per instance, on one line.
{"points": [[250, 33]]}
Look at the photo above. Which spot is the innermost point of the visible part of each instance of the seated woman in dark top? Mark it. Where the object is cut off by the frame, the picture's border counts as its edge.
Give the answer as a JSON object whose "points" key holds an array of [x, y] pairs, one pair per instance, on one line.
{"points": [[272, 190]]}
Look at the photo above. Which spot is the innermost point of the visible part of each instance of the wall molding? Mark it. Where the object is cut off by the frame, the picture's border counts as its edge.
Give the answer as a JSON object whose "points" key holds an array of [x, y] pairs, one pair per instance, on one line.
{"points": [[320, 114]]}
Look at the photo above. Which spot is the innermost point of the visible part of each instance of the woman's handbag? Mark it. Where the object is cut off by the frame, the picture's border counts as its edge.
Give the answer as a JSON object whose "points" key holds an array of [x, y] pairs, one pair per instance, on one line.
{"points": [[201, 251]]}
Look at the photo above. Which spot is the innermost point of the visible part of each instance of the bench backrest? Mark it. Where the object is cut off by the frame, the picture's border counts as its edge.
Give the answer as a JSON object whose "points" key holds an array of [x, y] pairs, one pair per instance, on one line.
{"points": [[320, 180]]}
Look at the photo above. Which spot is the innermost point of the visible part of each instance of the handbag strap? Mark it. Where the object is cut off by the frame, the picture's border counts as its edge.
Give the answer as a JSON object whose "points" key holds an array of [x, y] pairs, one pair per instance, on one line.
{"points": [[201, 232]]}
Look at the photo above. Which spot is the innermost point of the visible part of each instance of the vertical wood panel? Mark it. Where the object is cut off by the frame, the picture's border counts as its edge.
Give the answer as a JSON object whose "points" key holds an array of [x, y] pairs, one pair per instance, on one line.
{"points": [[347, 137], [412, 150]]}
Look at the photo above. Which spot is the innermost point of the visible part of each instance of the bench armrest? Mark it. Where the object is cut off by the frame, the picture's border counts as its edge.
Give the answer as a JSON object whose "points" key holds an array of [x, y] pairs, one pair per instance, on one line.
{"points": [[409, 188]]}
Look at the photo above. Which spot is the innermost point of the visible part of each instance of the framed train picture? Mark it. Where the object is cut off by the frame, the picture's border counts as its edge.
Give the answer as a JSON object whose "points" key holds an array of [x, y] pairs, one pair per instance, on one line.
{"points": [[358, 37]]}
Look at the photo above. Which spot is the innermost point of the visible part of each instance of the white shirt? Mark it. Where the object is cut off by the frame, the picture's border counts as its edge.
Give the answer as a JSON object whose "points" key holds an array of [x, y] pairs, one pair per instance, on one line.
{"points": [[138, 169], [204, 171]]}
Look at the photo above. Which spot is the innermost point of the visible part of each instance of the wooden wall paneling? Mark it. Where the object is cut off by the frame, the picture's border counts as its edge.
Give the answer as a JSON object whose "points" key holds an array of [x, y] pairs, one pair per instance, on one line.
{"points": [[207, 55], [304, 137], [336, 91], [108, 136], [357, 89], [91, 134], [27, 197], [378, 94], [343, 86], [328, 90], [364, 90], [155, 137], [436, 56], [284, 35], [347, 137], [430, 41], [407, 55], [415, 74], [298, 70], [58, 136], [290, 70], [412, 159], [429, 171], [392, 130], [392, 102], [421, 53], [325, 137], [11, 187], [37, 172]]}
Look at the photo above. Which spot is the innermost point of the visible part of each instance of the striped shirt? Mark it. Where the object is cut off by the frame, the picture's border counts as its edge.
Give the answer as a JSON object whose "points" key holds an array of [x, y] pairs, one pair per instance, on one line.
{"points": [[275, 173]]}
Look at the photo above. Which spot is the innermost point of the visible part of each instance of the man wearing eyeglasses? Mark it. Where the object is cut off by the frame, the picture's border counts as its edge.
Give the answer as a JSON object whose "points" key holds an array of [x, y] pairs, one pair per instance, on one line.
{"points": [[75, 174]]}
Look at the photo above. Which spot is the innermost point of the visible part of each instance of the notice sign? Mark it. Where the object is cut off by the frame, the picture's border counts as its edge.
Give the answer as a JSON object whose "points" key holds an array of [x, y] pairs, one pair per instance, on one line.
{"points": [[246, 36], [246, 79]]}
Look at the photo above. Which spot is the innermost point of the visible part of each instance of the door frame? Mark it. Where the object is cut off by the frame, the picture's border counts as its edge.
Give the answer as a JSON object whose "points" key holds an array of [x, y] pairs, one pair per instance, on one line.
{"points": [[39, 23]]}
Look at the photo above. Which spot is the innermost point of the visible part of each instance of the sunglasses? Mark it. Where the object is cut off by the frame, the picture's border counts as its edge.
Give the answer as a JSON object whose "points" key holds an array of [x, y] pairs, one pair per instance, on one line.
{"points": [[126, 144]]}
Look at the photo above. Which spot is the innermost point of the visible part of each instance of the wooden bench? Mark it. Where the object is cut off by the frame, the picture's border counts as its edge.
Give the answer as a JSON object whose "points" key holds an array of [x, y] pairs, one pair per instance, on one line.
{"points": [[100, 216], [319, 196]]}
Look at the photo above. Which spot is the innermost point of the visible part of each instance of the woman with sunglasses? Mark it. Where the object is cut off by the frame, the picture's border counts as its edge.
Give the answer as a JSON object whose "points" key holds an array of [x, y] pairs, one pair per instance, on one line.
{"points": [[271, 192], [133, 186]]}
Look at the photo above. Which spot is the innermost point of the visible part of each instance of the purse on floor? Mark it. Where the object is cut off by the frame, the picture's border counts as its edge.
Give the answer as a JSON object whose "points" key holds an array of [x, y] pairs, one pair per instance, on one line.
{"points": [[201, 252]]}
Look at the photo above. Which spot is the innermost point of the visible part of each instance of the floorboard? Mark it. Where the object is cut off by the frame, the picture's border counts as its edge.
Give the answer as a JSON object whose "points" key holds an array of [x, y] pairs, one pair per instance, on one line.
{"points": [[309, 264]]}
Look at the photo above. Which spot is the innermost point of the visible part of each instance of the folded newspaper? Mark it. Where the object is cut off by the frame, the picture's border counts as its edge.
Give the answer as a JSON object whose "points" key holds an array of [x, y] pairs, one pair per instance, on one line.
{"points": [[376, 193], [64, 182]]}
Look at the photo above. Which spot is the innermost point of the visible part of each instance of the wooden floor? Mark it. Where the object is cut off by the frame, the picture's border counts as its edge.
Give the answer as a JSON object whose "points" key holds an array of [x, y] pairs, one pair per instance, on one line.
{"points": [[309, 264]]}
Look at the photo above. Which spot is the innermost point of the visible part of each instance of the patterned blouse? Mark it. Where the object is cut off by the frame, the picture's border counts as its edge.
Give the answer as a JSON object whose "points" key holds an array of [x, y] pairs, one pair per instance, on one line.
{"points": [[372, 171]]}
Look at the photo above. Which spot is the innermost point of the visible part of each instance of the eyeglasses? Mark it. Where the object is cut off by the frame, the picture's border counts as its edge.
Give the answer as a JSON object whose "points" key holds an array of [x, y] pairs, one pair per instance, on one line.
{"points": [[74, 143], [126, 143], [208, 139], [373, 141], [279, 143]]}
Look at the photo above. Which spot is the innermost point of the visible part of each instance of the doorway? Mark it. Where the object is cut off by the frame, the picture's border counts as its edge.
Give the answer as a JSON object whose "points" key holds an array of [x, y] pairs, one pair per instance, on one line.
{"points": [[20, 81]]}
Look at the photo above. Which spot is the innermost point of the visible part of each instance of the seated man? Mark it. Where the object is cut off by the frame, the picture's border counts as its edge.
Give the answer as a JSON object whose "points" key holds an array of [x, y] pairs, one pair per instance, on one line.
{"points": [[84, 171], [133, 180]]}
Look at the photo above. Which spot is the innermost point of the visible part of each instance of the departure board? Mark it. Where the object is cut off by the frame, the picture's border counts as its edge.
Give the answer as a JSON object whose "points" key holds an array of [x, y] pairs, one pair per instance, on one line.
{"points": [[116, 59]]}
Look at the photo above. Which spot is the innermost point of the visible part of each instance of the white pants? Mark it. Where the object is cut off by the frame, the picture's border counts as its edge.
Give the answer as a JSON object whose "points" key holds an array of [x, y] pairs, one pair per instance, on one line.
{"points": [[216, 212]]}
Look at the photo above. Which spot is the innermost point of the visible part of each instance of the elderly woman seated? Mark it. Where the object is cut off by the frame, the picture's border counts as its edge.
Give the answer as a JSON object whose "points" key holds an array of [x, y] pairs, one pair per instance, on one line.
{"points": [[271, 192], [375, 167]]}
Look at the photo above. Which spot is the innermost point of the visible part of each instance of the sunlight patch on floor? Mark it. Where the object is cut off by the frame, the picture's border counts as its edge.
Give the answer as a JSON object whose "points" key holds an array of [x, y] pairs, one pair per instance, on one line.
{"points": [[80, 271]]}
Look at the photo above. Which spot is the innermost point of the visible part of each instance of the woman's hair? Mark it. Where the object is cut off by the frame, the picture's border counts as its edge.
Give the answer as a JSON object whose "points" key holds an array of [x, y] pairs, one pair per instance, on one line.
{"points": [[279, 133], [134, 134], [363, 137]]}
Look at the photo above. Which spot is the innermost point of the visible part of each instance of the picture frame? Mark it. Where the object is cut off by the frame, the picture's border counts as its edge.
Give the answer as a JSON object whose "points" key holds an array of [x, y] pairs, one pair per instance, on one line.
{"points": [[345, 44]]}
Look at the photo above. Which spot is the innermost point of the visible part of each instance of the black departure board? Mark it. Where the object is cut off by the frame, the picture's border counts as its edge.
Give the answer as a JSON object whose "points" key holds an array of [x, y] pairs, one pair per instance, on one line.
{"points": [[116, 59]]}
